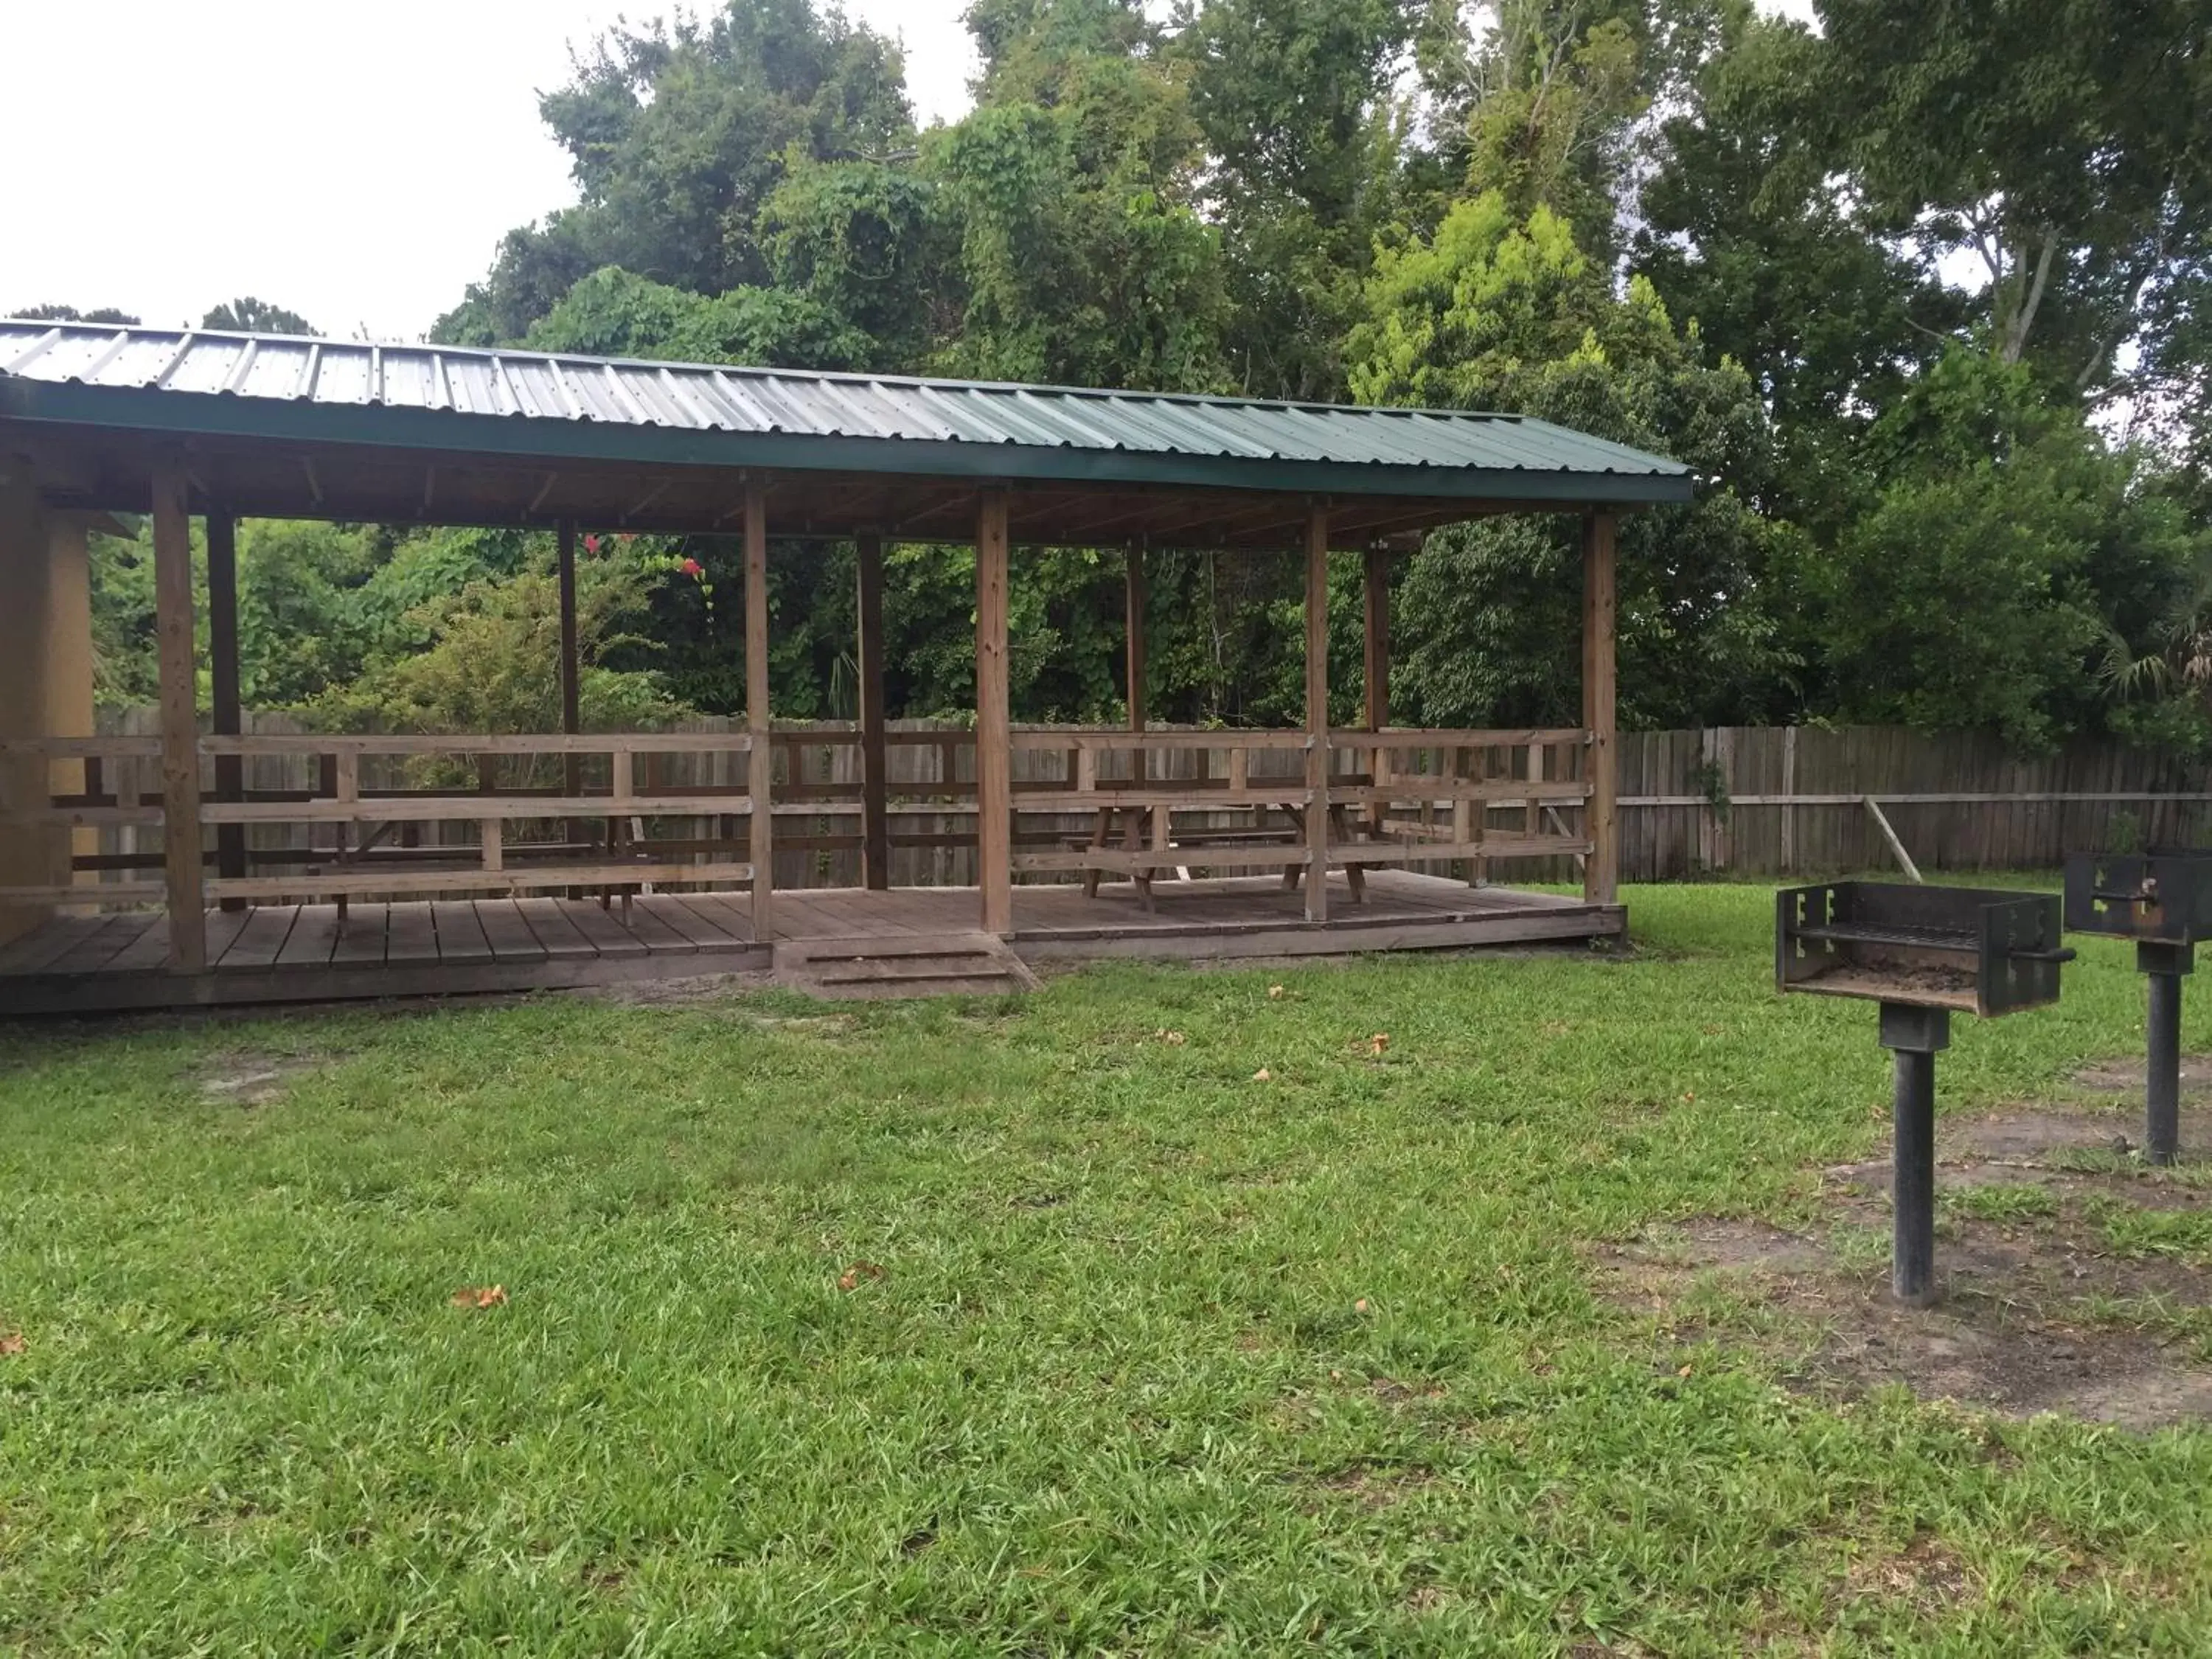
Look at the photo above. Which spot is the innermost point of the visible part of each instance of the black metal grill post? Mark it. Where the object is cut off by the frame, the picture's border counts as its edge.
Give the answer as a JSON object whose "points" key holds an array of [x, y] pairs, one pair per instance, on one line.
{"points": [[1914, 1036], [2162, 965]]}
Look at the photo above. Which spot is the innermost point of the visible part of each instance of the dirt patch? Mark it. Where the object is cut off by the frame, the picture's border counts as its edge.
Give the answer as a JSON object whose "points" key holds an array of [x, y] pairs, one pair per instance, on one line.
{"points": [[246, 1078], [2039, 1312], [1375, 1485], [1924, 1572], [687, 992], [2124, 1074]]}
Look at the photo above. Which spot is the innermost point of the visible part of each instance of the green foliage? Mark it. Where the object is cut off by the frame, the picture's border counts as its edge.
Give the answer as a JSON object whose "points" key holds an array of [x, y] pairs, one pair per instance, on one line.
{"points": [[487, 658], [1680, 224], [678, 136], [252, 316], [1497, 311], [72, 314], [614, 314], [1085, 263], [2008, 552]]}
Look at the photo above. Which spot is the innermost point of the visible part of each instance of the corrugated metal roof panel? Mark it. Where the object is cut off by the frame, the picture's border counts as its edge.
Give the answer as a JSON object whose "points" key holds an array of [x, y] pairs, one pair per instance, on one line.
{"points": [[707, 398]]}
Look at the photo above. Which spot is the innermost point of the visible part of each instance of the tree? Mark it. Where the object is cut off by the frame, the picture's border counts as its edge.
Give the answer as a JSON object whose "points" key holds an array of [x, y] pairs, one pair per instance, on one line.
{"points": [[1497, 311], [2008, 558], [1070, 189], [1747, 233], [2060, 145], [677, 136], [251, 316], [72, 314], [614, 314], [1306, 146]]}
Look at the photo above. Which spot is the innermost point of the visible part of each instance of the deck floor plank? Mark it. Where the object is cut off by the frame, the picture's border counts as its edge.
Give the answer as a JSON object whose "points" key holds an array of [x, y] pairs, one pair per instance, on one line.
{"points": [[704, 910], [97, 949], [679, 919], [259, 941], [461, 939], [360, 941], [37, 951], [410, 937], [655, 935], [149, 953], [314, 937], [556, 935], [601, 929], [511, 938]]}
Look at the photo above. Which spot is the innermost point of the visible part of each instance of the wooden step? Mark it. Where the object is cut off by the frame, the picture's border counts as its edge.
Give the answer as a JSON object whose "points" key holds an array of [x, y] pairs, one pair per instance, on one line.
{"points": [[910, 965]]}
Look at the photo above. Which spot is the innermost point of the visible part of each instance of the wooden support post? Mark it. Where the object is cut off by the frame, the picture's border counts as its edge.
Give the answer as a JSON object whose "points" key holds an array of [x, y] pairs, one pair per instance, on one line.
{"points": [[994, 814], [761, 773], [68, 670], [30, 855], [572, 711], [1601, 872], [227, 718], [1375, 679], [1317, 714], [1135, 676], [875, 791], [180, 735]]}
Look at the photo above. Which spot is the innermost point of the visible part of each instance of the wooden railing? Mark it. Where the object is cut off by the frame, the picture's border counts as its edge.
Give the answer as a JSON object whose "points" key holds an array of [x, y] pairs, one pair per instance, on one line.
{"points": [[413, 814], [1424, 796], [621, 856]]}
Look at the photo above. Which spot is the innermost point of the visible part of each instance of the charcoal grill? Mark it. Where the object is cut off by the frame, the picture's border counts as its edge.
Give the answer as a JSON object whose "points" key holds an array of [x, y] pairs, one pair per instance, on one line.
{"points": [[1922, 953], [2163, 901]]}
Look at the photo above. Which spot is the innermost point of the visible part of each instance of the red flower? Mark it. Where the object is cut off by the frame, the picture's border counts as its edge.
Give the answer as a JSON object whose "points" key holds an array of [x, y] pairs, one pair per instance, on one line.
{"points": [[692, 567], [591, 543]]}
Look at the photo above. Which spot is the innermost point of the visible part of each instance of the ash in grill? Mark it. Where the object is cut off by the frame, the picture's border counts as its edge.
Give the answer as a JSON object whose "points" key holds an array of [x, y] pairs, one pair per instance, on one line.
{"points": [[2163, 901], [1921, 952]]}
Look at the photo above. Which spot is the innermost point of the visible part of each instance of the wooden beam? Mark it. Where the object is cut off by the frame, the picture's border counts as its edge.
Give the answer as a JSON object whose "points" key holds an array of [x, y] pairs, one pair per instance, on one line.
{"points": [[1375, 677], [572, 709], [69, 667], [227, 716], [762, 760], [1134, 675], [1601, 873], [994, 814], [1317, 714], [180, 734], [875, 819]]}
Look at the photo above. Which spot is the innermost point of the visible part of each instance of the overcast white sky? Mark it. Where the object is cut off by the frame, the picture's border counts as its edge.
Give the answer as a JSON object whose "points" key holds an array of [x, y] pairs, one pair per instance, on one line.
{"points": [[357, 163]]}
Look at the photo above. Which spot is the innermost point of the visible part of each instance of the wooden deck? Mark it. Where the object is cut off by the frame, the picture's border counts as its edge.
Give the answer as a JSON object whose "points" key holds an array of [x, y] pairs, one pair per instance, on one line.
{"points": [[292, 953]]}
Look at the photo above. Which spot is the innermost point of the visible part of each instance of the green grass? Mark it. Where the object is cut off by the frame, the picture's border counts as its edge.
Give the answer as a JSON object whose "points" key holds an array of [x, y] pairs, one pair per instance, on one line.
{"points": [[1115, 1389]]}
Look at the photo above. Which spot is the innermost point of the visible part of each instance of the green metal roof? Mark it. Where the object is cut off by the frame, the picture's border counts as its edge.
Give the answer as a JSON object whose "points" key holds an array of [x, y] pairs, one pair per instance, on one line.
{"points": [[554, 407]]}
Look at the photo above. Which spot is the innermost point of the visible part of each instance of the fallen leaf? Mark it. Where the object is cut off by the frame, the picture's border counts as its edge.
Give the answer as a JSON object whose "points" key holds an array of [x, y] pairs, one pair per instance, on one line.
{"points": [[851, 1278], [1377, 1043], [1274, 994], [1684, 1371], [12, 1343], [1263, 1075], [480, 1295]]}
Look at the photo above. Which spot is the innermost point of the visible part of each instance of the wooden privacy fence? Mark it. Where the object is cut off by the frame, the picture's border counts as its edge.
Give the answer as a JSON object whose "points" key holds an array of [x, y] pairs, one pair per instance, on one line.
{"points": [[1792, 800]]}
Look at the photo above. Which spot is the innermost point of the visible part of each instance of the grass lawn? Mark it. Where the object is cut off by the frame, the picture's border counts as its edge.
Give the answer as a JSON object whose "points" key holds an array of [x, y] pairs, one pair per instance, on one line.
{"points": [[1159, 1359]]}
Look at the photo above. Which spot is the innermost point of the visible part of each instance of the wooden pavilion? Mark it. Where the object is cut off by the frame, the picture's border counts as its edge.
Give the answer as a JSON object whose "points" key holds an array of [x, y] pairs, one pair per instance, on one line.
{"points": [[1134, 839]]}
